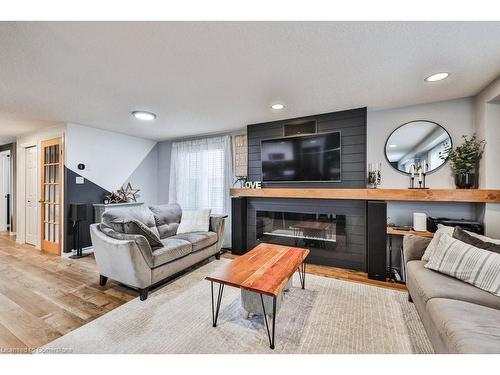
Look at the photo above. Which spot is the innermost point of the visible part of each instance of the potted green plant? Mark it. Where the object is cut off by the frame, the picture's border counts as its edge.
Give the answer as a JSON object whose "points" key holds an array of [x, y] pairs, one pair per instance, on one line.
{"points": [[464, 161]]}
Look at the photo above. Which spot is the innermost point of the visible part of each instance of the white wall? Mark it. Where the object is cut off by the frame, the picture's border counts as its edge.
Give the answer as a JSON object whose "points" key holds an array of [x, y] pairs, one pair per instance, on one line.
{"points": [[28, 140], [488, 127], [456, 116], [487, 112], [491, 156], [110, 158]]}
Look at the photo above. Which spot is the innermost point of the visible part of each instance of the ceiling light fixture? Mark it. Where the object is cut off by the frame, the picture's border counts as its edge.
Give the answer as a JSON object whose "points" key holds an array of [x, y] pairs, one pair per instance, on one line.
{"points": [[277, 106], [144, 115], [437, 77]]}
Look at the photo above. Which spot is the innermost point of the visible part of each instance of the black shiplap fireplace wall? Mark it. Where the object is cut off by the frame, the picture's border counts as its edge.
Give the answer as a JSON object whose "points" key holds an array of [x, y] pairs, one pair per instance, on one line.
{"points": [[353, 256], [351, 124]]}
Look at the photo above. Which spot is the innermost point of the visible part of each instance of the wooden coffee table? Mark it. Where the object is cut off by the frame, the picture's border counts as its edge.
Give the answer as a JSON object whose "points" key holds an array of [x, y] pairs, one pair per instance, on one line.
{"points": [[265, 270]]}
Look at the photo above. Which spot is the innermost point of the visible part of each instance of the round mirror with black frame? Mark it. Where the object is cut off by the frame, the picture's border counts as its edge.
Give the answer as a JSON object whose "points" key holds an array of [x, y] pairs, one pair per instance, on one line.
{"points": [[415, 143]]}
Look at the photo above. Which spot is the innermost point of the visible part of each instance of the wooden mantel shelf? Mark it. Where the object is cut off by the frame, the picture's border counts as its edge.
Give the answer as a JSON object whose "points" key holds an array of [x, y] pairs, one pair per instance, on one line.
{"points": [[435, 195]]}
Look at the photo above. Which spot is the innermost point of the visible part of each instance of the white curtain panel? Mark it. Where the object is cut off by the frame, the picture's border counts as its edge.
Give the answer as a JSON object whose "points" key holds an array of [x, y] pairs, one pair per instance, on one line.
{"points": [[201, 174]]}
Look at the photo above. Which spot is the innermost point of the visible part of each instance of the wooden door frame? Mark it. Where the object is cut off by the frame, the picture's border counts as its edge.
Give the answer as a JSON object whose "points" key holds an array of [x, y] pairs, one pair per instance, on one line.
{"points": [[47, 143]]}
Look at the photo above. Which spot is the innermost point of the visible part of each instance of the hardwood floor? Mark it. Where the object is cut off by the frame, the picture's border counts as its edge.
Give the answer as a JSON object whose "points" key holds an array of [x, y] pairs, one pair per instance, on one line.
{"points": [[44, 296]]}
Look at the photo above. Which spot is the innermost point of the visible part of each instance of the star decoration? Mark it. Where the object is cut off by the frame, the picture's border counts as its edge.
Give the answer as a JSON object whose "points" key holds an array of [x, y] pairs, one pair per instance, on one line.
{"points": [[128, 194], [113, 197], [123, 195]]}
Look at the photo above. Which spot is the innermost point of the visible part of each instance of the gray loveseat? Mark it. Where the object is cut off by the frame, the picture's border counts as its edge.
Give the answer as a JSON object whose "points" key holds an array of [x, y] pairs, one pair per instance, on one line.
{"points": [[129, 258], [458, 317]]}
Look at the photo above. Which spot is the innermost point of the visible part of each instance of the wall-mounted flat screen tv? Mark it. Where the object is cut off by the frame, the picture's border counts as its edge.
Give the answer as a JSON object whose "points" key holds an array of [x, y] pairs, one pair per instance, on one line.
{"points": [[314, 157]]}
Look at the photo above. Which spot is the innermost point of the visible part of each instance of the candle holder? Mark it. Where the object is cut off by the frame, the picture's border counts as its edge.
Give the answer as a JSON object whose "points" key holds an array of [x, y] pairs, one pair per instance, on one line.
{"points": [[420, 170], [374, 174], [412, 171]]}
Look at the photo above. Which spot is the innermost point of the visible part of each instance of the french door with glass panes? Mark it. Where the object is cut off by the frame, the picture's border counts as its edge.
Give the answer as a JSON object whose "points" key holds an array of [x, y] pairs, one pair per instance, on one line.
{"points": [[51, 195]]}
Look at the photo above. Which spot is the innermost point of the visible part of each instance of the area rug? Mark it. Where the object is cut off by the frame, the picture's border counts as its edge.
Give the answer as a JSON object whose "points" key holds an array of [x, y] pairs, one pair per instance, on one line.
{"points": [[329, 316]]}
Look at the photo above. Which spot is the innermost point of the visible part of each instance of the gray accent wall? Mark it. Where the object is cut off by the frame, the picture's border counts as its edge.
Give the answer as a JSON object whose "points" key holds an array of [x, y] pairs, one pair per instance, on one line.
{"points": [[87, 193], [146, 178], [351, 124], [164, 156]]}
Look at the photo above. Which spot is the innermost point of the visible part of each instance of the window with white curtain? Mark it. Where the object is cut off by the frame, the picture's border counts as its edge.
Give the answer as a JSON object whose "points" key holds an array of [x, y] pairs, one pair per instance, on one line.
{"points": [[201, 176]]}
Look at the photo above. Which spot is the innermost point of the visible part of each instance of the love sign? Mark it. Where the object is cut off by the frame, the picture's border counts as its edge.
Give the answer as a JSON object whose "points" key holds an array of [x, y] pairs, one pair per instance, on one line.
{"points": [[253, 185]]}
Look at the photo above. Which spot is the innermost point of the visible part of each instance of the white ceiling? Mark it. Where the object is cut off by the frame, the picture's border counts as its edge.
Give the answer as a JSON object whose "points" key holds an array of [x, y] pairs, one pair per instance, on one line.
{"points": [[202, 77], [12, 125]]}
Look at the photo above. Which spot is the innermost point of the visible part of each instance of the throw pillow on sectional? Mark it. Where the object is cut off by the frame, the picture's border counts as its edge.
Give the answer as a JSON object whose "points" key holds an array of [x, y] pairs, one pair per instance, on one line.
{"points": [[449, 230], [435, 240], [476, 266], [463, 236]]}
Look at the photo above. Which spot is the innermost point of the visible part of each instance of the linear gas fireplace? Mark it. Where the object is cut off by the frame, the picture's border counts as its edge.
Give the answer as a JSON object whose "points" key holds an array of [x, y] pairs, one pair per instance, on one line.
{"points": [[333, 230], [323, 234]]}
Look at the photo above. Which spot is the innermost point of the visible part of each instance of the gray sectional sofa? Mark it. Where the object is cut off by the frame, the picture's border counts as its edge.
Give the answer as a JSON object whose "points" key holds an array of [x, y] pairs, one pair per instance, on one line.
{"points": [[458, 317], [130, 259]]}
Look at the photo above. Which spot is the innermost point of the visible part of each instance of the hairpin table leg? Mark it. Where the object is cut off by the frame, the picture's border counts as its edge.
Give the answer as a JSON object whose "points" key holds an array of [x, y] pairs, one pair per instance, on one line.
{"points": [[270, 334], [216, 308]]}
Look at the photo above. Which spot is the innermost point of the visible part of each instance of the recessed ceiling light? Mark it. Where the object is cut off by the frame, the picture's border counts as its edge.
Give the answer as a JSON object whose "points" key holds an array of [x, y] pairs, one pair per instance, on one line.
{"points": [[392, 146], [437, 77], [278, 106], [144, 115]]}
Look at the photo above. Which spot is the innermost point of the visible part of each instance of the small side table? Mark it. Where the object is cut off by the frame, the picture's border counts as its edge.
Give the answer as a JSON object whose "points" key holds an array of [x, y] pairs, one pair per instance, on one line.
{"points": [[392, 231]]}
